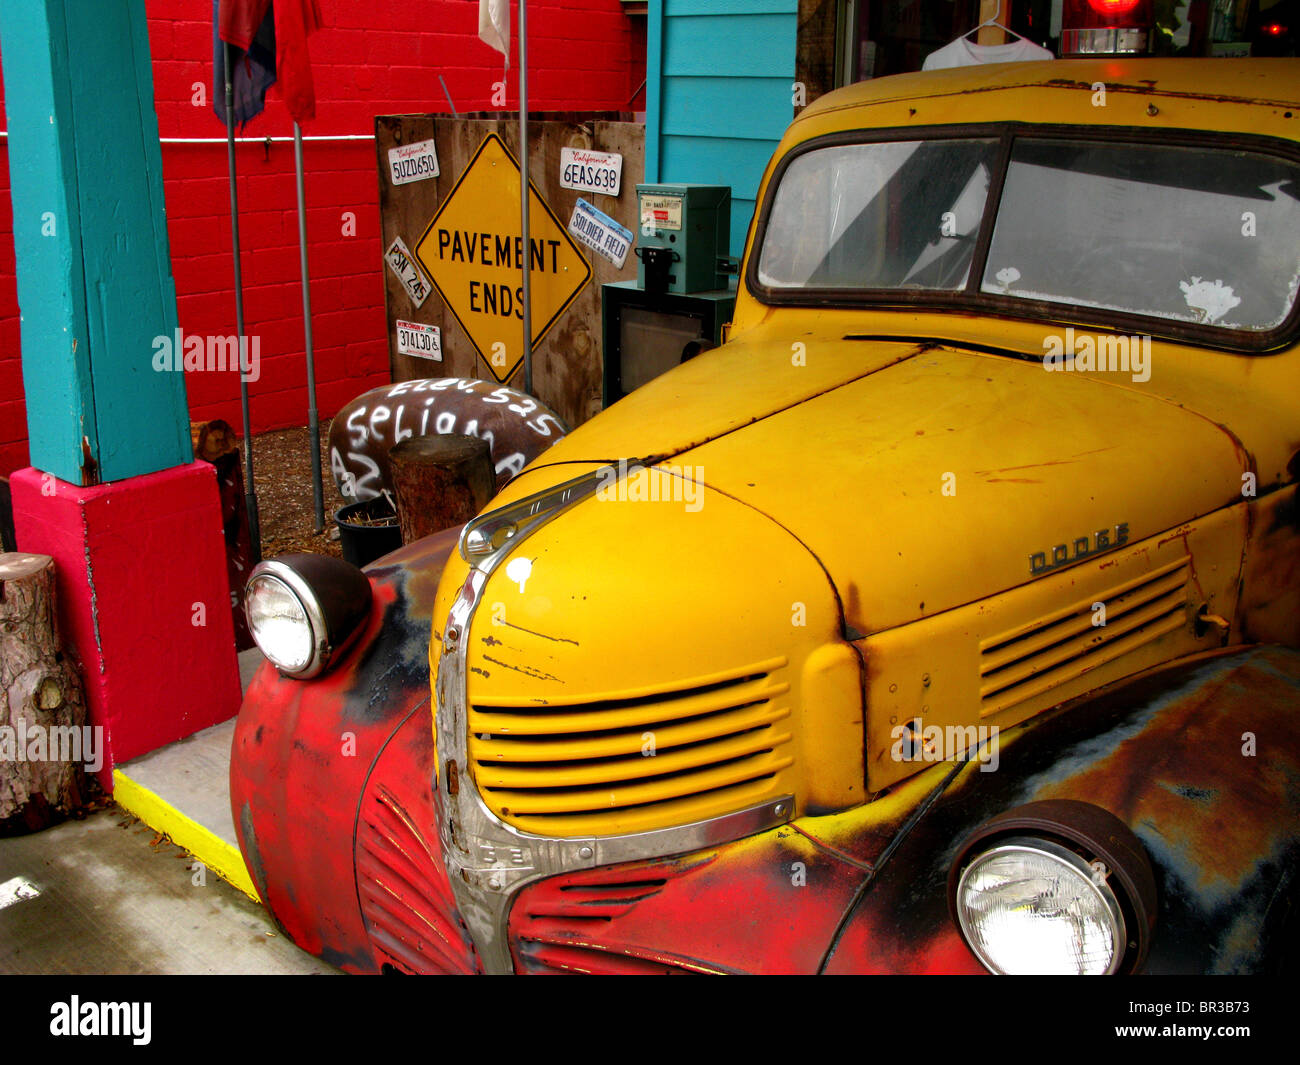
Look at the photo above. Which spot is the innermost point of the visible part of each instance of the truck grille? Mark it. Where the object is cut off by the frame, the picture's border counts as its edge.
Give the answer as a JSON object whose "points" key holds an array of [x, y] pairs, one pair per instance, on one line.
{"points": [[1046, 653], [629, 764], [405, 899], [573, 923]]}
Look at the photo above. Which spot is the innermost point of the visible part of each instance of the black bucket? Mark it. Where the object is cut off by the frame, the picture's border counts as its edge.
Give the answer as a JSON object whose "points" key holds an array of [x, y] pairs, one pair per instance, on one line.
{"points": [[367, 530]]}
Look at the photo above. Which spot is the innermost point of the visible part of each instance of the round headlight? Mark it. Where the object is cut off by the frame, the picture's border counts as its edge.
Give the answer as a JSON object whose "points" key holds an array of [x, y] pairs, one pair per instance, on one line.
{"points": [[1054, 886], [1031, 907], [304, 609], [279, 623]]}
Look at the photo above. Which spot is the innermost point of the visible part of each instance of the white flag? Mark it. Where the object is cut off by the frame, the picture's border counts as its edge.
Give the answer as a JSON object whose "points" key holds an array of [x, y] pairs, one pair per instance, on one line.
{"points": [[494, 25]]}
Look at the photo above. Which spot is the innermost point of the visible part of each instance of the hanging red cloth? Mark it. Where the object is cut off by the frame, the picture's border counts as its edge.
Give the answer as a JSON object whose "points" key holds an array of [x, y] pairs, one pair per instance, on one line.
{"points": [[294, 20], [238, 20], [238, 23]]}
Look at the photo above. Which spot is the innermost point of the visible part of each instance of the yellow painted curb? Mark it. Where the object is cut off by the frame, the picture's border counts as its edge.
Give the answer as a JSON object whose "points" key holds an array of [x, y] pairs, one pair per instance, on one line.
{"points": [[213, 851]]}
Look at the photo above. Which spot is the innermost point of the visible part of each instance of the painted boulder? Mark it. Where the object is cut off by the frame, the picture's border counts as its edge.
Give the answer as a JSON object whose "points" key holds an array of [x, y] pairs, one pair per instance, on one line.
{"points": [[516, 426]]}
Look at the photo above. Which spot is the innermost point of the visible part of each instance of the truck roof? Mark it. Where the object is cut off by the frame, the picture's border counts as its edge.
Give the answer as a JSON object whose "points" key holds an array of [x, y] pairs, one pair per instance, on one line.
{"points": [[1188, 93]]}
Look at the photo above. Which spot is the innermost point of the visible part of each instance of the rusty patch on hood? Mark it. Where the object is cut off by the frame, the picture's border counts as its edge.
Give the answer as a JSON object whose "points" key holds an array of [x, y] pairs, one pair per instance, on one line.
{"points": [[1220, 753]]}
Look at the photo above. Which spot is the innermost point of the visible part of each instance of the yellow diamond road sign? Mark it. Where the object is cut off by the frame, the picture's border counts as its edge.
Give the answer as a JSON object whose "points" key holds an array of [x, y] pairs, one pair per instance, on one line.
{"points": [[473, 251]]}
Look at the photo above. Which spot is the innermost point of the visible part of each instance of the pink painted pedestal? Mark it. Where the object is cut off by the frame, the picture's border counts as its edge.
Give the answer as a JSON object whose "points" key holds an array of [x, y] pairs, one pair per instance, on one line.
{"points": [[135, 561]]}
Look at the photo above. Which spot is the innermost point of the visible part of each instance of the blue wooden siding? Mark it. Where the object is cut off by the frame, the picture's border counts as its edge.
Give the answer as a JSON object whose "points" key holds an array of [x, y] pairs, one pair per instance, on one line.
{"points": [[720, 77]]}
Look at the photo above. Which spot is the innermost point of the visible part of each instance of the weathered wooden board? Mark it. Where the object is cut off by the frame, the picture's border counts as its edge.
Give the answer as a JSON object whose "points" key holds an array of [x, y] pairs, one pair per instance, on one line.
{"points": [[567, 366]]}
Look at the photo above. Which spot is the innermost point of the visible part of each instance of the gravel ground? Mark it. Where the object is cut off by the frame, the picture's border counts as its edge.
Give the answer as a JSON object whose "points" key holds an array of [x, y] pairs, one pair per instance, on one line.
{"points": [[282, 478]]}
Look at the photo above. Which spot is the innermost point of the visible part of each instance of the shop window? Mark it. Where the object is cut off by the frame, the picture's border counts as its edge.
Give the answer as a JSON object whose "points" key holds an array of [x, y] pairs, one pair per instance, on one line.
{"points": [[881, 37]]}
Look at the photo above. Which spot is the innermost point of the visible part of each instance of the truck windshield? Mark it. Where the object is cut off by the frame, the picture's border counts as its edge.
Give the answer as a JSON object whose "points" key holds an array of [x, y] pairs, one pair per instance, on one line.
{"points": [[1201, 235], [897, 215]]}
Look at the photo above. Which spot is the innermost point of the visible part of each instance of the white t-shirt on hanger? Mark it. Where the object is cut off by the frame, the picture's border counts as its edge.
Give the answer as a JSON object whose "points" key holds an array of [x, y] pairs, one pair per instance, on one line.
{"points": [[962, 53]]}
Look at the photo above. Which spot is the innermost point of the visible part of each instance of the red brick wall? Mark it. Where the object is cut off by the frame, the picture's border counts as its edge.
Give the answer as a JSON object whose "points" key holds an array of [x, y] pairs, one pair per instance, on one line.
{"points": [[373, 57]]}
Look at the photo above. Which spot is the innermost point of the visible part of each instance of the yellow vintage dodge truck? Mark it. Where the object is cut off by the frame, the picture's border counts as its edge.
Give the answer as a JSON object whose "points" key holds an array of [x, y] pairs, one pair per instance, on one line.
{"points": [[945, 619]]}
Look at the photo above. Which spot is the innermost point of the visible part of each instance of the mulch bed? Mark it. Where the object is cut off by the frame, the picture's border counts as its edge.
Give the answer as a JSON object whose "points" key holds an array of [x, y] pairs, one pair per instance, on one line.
{"points": [[282, 478]]}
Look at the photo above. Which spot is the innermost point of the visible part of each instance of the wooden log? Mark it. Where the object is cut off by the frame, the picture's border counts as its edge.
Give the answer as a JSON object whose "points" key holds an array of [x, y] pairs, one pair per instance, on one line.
{"points": [[440, 481], [213, 439], [215, 442], [45, 747]]}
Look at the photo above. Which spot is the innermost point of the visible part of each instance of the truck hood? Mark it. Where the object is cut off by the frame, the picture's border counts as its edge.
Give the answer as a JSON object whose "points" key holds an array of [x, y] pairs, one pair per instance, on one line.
{"points": [[925, 477]]}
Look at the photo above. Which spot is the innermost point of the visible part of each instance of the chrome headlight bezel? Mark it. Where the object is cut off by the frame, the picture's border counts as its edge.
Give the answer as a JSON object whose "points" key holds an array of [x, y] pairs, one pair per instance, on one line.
{"points": [[1072, 865], [335, 598], [1095, 844]]}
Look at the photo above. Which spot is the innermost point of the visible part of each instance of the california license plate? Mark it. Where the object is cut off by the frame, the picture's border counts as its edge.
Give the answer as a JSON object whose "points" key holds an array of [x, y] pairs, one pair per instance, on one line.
{"points": [[422, 341]]}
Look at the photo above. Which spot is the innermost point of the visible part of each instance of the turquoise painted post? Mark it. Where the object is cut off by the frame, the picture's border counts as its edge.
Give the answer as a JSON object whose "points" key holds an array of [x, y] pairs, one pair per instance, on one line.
{"points": [[90, 236]]}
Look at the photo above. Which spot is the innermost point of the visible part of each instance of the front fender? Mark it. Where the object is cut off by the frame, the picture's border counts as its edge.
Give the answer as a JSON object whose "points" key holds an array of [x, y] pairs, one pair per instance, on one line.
{"points": [[1200, 761], [304, 750]]}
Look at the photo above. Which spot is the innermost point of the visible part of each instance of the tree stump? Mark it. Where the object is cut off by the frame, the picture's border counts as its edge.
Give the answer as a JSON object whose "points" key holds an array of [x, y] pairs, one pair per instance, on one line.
{"points": [[440, 481], [44, 744]]}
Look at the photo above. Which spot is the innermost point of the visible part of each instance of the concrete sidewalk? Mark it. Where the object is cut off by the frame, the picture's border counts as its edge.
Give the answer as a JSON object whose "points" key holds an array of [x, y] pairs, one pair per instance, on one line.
{"points": [[107, 895], [112, 894]]}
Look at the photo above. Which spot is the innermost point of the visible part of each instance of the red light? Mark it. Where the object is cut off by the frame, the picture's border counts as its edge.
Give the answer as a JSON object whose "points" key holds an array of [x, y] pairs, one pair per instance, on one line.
{"points": [[1112, 8], [1105, 27], [1275, 29]]}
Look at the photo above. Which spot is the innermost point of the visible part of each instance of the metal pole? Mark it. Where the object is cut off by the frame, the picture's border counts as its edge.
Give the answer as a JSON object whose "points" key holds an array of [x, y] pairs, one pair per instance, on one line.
{"points": [[313, 420], [309, 139], [523, 195], [250, 494], [448, 95]]}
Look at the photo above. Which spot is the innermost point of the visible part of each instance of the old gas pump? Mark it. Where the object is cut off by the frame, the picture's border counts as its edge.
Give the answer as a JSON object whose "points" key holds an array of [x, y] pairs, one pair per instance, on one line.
{"points": [[685, 288]]}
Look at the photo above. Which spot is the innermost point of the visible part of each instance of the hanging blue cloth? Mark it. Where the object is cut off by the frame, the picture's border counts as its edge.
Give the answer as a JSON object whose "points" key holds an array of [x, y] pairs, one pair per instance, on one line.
{"points": [[253, 71]]}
